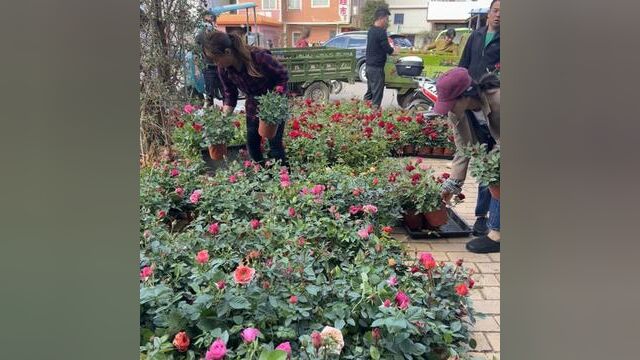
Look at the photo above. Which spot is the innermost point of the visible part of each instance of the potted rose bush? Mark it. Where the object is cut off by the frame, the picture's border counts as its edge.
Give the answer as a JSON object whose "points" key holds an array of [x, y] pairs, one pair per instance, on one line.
{"points": [[272, 111], [218, 132], [485, 166]]}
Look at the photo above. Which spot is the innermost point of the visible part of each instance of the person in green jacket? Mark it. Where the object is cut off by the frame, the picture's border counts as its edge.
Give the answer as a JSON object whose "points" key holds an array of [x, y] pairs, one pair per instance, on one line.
{"points": [[446, 44]]}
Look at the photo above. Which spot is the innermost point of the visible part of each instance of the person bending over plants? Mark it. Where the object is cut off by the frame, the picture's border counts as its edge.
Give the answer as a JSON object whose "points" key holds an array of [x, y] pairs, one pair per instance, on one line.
{"points": [[254, 71], [460, 97]]}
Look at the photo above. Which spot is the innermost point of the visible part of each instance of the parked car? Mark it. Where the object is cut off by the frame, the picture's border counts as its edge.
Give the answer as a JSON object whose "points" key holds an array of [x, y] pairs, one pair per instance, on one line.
{"points": [[401, 41], [356, 40]]}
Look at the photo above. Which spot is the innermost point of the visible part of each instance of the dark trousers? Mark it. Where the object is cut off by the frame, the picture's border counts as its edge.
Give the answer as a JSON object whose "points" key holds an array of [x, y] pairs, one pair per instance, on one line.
{"points": [[375, 84], [276, 146], [211, 81], [486, 203]]}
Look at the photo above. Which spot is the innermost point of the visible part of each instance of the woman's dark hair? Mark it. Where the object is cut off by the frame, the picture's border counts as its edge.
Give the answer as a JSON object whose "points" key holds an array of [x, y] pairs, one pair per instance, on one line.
{"points": [[305, 33], [486, 82], [216, 42], [490, 6]]}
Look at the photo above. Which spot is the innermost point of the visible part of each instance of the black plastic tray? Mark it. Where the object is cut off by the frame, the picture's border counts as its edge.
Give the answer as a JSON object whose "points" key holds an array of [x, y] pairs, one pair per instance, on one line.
{"points": [[456, 227]]}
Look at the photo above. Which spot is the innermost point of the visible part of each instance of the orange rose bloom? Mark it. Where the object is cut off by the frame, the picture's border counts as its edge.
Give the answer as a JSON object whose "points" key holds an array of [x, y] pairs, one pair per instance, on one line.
{"points": [[243, 275], [181, 341]]}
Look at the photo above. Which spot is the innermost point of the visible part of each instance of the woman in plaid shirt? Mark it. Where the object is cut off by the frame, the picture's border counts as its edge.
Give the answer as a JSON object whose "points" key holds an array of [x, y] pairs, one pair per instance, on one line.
{"points": [[254, 71]]}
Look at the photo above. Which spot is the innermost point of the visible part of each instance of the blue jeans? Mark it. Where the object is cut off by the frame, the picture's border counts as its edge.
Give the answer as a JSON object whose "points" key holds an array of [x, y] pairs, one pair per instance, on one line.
{"points": [[487, 204]]}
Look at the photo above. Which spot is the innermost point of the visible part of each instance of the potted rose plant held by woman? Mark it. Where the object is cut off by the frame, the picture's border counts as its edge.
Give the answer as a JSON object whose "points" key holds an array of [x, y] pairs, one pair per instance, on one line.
{"points": [[273, 110], [485, 167]]}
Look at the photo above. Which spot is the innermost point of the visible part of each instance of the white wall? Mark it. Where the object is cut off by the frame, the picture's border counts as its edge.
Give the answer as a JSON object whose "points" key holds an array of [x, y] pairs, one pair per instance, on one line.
{"points": [[415, 21]]}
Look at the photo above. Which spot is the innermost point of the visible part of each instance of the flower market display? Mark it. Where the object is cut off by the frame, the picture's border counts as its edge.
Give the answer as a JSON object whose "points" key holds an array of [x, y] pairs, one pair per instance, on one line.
{"points": [[265, 262]]}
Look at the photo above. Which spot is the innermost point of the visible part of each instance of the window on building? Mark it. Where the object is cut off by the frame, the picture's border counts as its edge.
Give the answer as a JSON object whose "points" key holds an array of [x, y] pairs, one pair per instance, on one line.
{"points": [[294, 4], [398, 18], [319, 3], [269, 4], [295, 36]]}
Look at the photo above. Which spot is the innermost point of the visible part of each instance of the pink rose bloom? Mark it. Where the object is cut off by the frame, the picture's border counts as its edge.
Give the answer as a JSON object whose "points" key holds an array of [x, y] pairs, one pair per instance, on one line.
{"points": [[232, 179], [161, 214], [402, 300], [318, 189], [280, 89], [370, 229], [427, 260], [217, 351], [393, 281], [146, 234], [202, 257], [255, 224], [286, 347], [214, 229], [387, 303], [189, 108], [284, 177], [247, 164], [304, 191], [353, 209], [249, 335], [241, 174], [370, 209], [316, 339], [293, 299], [146, 272], [180, 191], [195, 196], [285, 184], [363, 233], [174, 172], [221, 284], [292, 212]]}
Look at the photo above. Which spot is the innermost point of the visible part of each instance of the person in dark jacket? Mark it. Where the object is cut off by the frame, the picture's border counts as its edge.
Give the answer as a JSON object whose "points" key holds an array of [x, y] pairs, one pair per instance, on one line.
{"points": [[254, 71], [481, 55], [378, 48], [210, 71]]}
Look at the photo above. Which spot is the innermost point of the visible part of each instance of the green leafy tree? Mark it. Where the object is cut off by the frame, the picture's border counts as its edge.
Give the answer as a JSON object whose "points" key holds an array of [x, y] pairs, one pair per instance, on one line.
{"points": [[369, 10]]}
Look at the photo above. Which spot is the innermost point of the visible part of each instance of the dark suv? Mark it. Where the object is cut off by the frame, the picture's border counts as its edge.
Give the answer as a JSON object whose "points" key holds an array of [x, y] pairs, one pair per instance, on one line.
{"points": [[352, 40], [358, 40]]}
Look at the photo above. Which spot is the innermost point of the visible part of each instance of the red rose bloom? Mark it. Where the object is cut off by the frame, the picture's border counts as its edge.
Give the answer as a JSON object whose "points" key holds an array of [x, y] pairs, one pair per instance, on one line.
{"points": [[462, 290], [181, 341]]}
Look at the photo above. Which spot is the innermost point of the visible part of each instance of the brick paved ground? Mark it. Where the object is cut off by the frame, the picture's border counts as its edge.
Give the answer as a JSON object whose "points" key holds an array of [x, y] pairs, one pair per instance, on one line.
{"points": [[486, 292]]}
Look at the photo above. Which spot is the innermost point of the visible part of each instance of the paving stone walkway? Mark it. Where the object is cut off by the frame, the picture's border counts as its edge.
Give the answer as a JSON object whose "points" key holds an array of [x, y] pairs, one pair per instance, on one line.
{"points": [[486, 292]]}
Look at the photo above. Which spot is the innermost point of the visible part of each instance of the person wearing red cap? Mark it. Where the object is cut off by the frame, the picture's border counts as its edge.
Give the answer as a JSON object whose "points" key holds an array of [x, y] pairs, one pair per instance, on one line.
{"points": [[460, 97]]}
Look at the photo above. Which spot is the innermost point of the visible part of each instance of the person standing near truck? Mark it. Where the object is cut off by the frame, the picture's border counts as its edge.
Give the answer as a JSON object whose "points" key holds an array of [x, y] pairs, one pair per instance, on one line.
{"points": [[378, 48], [446, 44], [481, 55], [254, 71], [210, 70], [303, 42]]}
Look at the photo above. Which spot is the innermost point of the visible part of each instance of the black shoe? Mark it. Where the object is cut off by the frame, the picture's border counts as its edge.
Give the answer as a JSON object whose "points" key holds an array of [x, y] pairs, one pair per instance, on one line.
{"points": [[480, 227], [483, 245]]}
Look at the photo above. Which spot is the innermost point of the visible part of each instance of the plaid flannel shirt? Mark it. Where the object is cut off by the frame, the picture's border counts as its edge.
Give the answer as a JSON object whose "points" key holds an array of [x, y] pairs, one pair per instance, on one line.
{"points": [[274, 74]]}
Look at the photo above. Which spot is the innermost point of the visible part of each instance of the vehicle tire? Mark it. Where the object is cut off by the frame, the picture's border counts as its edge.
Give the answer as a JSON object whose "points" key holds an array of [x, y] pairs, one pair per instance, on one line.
{"points": [[362, 72], [404, 100], [336, 86], [420, 105], [318, 91]]}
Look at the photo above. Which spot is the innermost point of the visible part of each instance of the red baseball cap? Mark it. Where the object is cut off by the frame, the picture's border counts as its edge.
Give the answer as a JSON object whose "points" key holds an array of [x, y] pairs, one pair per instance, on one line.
{"points": [[449, 87]]}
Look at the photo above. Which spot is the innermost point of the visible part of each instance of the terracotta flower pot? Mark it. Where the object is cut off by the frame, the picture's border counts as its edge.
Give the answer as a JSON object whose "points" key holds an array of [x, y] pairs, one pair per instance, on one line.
{"points": [[449, 151], [495, 191], [437, 218], [408, 149], [438, 150], [425, 150], [267, 130], [413, 220], [218, 152]]}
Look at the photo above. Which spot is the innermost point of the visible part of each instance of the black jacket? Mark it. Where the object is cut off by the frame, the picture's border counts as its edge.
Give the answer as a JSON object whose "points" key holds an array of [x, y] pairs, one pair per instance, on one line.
{"points": [[377, 47], [478, 59]]}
